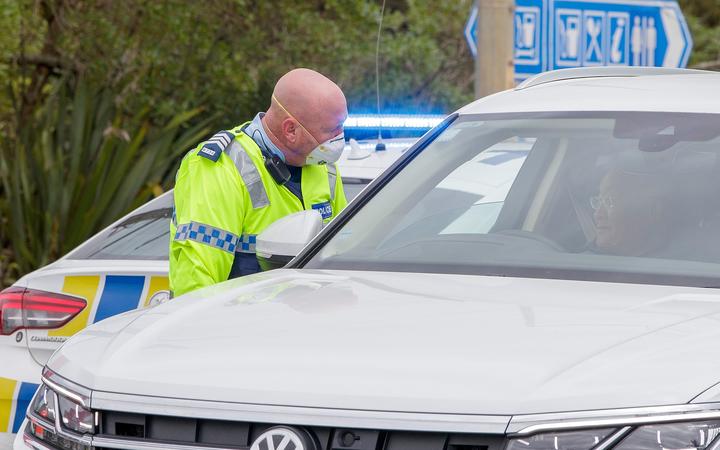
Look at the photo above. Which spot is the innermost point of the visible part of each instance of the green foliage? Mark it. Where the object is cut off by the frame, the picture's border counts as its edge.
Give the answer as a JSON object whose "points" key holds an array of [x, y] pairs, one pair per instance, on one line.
{"points": [[77, 165], [9, 20], [706, 41], [225, 55], [703, 17], [707, 11]]}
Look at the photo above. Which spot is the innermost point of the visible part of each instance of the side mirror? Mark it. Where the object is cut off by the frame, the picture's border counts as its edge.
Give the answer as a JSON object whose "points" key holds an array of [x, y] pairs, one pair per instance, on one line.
{"points": [[284, 238]]}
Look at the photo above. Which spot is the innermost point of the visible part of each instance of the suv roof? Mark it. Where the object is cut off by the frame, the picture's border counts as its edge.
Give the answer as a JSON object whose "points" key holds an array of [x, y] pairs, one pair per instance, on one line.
{"points": [[602, 71], [612, 89]]}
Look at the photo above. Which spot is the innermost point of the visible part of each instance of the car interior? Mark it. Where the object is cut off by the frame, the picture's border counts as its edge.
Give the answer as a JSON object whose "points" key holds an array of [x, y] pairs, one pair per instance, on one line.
{"points": [[457, 207]]}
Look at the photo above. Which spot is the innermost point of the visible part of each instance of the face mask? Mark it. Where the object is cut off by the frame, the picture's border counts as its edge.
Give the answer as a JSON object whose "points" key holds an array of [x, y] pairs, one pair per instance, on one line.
{"points": [[328, 152]]}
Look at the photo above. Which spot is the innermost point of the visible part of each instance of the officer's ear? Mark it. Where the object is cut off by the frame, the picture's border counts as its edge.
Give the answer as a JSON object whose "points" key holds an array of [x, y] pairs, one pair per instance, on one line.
{"points": [[290, 130]]}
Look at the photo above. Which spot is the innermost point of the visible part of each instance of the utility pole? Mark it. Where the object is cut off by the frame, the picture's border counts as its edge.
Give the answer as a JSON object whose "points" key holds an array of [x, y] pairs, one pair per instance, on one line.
{"points": [[494, 66]]}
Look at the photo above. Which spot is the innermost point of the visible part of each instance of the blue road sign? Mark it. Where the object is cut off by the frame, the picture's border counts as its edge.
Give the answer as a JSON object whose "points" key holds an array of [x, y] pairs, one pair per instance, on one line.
{"points": [[471, 30], [554, 34], [626, 33]]}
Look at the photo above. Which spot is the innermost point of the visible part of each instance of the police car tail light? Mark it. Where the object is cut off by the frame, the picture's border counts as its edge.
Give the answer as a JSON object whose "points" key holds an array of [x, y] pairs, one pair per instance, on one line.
{"points": [[31, 308]]}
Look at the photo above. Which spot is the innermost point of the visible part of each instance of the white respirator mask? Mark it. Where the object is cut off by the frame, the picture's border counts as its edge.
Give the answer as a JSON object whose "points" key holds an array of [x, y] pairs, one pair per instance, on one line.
{"points": [[327, 152]]}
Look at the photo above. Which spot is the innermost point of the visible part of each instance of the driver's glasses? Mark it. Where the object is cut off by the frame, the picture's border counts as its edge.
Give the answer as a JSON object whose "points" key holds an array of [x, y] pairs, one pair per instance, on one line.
{"points": [[602, 200]]}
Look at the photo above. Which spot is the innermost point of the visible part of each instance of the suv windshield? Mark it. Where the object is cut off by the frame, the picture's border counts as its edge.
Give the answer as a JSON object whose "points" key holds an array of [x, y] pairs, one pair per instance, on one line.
{"points": [[624, 197]]}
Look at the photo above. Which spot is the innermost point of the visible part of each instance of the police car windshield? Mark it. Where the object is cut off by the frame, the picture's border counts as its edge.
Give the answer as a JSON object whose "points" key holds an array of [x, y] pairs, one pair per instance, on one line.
{"points": [[624, 197], [142, 236]]}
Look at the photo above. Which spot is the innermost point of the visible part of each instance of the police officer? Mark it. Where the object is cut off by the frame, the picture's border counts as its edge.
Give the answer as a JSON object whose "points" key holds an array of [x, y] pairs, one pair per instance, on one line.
{"points": [[233, 186]]}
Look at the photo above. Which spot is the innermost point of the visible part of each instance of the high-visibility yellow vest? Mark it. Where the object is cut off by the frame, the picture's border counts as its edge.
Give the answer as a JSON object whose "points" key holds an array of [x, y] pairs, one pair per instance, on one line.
{"points": [[224, 198]]}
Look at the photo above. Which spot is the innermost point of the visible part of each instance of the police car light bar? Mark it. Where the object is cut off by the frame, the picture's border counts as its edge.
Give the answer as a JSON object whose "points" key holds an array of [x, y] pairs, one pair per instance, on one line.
{"points": [[392, 121]]}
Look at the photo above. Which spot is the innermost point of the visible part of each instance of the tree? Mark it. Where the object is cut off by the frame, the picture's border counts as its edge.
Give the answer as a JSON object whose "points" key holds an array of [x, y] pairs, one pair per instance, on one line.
{"points": [[225, 55], [703, 17], [76, 165]]}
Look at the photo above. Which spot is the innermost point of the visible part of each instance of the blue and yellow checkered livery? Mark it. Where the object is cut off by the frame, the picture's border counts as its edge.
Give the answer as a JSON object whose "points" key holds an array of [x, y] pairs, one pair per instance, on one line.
{"points": [[15, 397]]}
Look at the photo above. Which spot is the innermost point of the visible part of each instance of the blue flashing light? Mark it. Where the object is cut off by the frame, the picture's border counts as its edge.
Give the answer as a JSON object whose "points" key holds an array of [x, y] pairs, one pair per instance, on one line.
{"points": [[388, 144], [393, 121]]}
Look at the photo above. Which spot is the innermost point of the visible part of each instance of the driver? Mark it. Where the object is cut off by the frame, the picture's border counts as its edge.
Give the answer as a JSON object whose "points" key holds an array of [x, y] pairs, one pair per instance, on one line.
{"points": [[633, 214]]}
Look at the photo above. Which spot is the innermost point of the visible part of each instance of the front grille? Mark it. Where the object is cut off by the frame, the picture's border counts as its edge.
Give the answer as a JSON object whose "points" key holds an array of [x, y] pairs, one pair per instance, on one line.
{"points": [[143, 428]]}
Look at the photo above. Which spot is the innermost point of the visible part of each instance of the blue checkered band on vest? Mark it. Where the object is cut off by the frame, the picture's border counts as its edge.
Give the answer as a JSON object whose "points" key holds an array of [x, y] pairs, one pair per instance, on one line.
{"points": [[247, 243], [216, 237], [205, 234]]}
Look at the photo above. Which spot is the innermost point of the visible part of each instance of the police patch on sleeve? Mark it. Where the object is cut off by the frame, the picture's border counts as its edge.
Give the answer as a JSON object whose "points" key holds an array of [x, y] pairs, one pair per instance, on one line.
{"points": [[325, 209], [213, 147]]}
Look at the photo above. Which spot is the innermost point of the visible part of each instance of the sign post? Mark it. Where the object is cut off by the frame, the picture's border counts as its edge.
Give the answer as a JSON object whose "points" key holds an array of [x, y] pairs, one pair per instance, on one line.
{"points": [[489, 33]]}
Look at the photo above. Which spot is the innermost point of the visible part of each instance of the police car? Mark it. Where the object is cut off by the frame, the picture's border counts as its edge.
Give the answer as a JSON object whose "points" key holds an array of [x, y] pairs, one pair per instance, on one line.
{"points": [[122, 268], [540, 271]]}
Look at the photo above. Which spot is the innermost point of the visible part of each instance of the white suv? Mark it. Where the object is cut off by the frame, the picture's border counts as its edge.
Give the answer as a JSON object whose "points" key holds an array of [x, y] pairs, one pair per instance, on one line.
{"points": [[539, 272]]}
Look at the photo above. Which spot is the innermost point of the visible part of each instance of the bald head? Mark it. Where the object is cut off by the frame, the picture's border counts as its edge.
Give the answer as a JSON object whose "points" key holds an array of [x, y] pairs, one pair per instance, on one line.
{"points": [[306, 109], [312, 98]]}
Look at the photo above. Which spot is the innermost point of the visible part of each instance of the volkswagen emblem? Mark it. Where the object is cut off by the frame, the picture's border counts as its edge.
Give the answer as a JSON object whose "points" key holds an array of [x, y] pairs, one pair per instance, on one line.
{"points": [[283, 438]]}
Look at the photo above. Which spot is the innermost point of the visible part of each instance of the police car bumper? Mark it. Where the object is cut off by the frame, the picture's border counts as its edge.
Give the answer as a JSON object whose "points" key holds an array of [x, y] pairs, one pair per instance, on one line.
{"points": [[20, 438]]}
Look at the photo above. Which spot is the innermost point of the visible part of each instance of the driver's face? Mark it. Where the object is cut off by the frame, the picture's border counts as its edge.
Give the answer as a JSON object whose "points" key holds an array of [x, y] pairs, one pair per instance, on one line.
{"points": [[623, 216]]}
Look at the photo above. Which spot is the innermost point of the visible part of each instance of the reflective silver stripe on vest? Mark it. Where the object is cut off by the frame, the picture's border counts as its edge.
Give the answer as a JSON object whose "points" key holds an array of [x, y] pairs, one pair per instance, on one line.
{"points": [[247, 243], [332, 176], [209, 235], [249, 174]]}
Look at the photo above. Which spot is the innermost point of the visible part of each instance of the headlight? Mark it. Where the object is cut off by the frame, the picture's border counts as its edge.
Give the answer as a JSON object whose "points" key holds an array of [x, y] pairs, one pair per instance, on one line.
{"points": [[566, 440], [75, 417], [60, 415], [700, 435], [44, 404], [688, 435]]}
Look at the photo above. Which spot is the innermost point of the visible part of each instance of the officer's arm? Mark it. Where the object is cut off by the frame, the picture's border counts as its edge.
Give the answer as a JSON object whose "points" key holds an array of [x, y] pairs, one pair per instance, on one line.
{"points": [[209, 211], [340, 201]]}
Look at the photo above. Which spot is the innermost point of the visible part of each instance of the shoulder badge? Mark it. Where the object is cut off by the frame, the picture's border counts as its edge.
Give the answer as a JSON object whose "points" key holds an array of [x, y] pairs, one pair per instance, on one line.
{"points": [[213, 147]]}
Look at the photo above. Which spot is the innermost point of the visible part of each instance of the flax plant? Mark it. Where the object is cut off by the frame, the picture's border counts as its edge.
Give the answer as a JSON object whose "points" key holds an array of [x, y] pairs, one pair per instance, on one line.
{"points": [[78, 164]]}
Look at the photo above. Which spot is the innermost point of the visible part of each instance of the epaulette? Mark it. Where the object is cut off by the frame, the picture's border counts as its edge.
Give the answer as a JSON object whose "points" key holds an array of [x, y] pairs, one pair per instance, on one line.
{"points": [[213, 147]]}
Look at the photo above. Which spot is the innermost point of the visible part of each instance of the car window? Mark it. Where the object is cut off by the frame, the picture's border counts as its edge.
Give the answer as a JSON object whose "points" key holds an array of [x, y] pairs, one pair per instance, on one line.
{"points": [[142, 236], [594, 196], [470, 197], [353, 186]]}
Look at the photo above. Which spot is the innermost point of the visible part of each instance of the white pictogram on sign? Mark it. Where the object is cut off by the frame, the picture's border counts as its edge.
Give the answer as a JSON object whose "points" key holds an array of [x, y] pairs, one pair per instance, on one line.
{"points": [[567, 37], [594, 22], [527, 35], [619, 38]]}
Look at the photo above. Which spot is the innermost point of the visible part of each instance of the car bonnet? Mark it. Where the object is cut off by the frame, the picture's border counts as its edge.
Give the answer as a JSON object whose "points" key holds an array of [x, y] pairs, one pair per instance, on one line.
{"points": [[410, 342]]}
